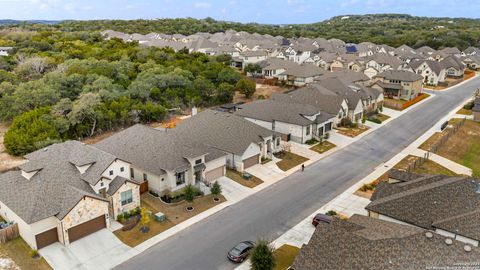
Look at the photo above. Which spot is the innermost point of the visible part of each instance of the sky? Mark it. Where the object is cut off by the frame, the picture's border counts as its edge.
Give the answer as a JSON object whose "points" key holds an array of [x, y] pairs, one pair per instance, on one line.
{"points": [[261, 11]]}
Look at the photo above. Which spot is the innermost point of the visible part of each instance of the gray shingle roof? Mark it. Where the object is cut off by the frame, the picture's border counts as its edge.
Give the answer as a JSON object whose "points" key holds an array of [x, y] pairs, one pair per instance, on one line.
{"points": [[434, 65], [430, 199], [275, 110], [368, 243], [117, 182], [57, 186], [400, 75], [347, 76], [221, 130], [153, 150]]}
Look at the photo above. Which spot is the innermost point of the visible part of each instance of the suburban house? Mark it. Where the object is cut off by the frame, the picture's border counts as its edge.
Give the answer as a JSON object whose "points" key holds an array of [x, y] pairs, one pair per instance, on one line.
{"points": [[446, 205], [347, 76], [471, 61], [165, 160], [366, 243], [300, 75], [432, 72], [399, 84], [248, 57], [321, 98], [244, 142], [454, 68], [66, 191], [289, 120], [273, 67]]}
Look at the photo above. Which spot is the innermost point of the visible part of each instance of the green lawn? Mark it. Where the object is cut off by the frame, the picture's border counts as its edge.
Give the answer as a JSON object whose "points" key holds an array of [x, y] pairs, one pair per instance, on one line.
{"points": [[19, 252], [284, 256], [322, 147], [289, 160], [382, 117], [237, 177], [464, 146]]}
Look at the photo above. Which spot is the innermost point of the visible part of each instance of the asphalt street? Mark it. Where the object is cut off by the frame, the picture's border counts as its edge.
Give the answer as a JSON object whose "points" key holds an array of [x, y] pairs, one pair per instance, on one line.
{"points": [[274, 210]]}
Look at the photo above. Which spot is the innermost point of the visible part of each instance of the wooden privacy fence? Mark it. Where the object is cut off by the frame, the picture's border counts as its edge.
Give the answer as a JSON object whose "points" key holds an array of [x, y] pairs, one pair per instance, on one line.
{"points": [[9, 233]]}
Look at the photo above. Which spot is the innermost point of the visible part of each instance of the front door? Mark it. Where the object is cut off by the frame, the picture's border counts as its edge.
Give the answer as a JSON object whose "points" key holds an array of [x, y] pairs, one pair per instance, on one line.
{"points": [[198, 177]]}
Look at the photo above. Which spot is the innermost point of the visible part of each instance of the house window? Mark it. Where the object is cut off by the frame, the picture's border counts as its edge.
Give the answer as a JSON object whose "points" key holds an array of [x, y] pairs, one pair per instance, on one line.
{"points": [[278, 141], [132, 173], [122, 169], [145, 178], [180, 178], [101, 183], [110, 172], [308, 130], [198, 161], [126, 197]]}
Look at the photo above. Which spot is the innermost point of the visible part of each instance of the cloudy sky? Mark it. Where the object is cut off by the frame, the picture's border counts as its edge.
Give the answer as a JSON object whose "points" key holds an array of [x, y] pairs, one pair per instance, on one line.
{"points": [[262, 11]]}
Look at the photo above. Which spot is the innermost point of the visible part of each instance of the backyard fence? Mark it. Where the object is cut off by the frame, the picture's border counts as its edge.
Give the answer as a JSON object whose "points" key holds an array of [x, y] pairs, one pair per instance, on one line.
{"points": [[9, 233], [435, 146], [448, 133]]}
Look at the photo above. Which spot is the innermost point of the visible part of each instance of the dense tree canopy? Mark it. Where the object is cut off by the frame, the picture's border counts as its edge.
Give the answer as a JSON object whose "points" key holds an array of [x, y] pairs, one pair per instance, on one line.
{"points": [[390, 29], [69, 85]]}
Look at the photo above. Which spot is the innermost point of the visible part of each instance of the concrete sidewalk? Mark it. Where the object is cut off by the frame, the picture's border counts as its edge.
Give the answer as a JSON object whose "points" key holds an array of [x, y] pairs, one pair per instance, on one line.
{"points": [[447, 163]]}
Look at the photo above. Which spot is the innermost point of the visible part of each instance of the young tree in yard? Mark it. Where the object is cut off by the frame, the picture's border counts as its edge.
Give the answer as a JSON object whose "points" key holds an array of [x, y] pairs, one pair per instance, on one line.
{"points": [[246, 87], [189, 193], [145, 220], [216, 189], [225, 93], [262, 257]]}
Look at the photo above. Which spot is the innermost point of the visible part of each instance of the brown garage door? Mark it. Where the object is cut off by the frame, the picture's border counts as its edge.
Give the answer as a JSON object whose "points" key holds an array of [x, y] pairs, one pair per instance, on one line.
{"points": [[212, 175], [86, 228], [46, 238], [249, 162]]}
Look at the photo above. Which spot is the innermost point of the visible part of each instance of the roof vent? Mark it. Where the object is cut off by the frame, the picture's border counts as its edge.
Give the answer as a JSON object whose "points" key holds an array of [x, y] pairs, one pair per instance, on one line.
{"points": [[467, 248], [448, 241], [429, 235]]}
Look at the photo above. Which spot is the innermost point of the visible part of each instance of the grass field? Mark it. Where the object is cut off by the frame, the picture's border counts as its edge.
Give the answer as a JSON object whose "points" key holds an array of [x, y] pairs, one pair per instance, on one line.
{"points": [[19, 252], [284, 256]]}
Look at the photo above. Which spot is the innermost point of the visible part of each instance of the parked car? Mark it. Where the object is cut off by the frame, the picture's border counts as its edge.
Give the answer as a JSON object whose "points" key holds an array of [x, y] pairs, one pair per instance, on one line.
{"points": [[321, 218], [240, 252]]}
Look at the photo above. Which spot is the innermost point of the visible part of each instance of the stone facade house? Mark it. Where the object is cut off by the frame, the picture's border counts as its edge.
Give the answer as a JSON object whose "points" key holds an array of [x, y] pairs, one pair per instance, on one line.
{"points": [[66, 191]]}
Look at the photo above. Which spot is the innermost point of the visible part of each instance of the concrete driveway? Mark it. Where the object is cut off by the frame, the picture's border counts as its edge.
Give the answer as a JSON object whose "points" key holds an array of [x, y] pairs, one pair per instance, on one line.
{"points": [[100, 250]]}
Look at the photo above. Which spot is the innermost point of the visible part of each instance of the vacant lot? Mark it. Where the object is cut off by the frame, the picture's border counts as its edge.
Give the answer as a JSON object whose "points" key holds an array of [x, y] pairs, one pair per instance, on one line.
{"points": [[16, 255], [238, 177], [289, 160], [7, 161], [263, 91], [175, 213], [464, 146], [429, 167]]}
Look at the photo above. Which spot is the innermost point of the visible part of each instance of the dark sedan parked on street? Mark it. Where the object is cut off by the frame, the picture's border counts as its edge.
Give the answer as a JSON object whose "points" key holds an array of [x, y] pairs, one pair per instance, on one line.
{"points": [[240, 252]]}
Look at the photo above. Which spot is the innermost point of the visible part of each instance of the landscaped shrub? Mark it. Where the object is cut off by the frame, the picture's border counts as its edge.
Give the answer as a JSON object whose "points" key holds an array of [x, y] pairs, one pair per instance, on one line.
{"points": [[367, 187], [331, 213], [155, 194], [346, 122], [374, 120], [364, 119], [312, 141], [326, 136], [469, 105]]}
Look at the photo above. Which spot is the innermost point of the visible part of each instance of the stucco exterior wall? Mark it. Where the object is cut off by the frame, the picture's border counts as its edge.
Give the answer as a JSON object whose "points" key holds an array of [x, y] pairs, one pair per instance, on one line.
{"points": [[85, 210], [28, 231]]}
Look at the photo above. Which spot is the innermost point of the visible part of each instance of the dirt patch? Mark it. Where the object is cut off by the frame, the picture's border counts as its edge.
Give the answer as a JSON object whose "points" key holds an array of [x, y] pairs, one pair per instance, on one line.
{"points": [[352, 132], [237, 177], [263, 91], [7, 161]]}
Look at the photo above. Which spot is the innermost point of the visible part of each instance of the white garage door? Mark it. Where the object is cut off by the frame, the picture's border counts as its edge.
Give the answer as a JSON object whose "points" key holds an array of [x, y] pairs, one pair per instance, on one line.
{"points": [[214, 174]]}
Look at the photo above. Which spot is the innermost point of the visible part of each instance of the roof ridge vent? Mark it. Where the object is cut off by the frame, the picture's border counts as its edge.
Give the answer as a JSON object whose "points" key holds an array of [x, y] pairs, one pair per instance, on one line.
{"points": [[448, 241]]}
